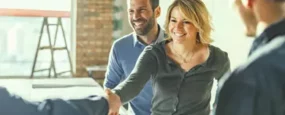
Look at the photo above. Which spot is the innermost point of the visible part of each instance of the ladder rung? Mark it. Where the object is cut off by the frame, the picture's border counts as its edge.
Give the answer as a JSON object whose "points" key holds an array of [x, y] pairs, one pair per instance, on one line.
{"points": [[63, 72], [52, 24], [41, 70], [55, 48], [45, 47], [59, 48]]}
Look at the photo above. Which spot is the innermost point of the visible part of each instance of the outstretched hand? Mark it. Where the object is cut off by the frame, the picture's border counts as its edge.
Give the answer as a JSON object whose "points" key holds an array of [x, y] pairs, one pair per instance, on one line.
{"points": [[114, 102]]}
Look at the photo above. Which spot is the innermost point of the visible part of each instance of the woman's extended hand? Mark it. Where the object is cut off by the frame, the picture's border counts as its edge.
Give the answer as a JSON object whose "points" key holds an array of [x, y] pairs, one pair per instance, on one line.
{"points": [[114, 102]]}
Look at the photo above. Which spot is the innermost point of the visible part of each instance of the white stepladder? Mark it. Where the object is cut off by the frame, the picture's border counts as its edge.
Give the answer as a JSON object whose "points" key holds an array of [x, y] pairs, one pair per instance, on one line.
{"points": [[52, 48]]}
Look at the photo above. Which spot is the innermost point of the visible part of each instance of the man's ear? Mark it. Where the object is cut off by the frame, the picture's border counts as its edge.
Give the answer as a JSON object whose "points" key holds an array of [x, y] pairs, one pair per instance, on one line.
{"points": [[248, 3], [157, 12], [247, 15]]}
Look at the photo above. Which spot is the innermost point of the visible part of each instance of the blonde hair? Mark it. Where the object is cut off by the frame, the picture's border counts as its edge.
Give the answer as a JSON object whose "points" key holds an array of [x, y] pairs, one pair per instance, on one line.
{"points": [[196, 12]]}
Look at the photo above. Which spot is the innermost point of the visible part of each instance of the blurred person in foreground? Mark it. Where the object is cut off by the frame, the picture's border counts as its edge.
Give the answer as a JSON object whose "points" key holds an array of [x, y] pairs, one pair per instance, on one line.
{"points": [[11, 104], [257, 87]]}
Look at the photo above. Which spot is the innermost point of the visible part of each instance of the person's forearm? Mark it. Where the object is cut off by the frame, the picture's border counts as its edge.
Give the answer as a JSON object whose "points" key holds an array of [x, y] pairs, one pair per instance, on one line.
{"points": [[130, 88], [14, 105], [95, 105], [11, 104], [139, 76]]}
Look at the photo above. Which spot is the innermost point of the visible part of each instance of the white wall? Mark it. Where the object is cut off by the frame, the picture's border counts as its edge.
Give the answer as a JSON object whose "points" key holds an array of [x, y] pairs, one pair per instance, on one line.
{"points": [[164, 7], [126, 26]]}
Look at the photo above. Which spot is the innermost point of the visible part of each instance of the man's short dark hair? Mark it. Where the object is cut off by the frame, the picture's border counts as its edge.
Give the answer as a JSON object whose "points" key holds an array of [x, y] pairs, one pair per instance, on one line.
{"points": [[154, 4]]}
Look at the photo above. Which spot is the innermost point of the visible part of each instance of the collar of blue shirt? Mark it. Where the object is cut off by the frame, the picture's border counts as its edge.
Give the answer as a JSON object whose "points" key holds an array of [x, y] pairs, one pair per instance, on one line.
{"points": [[161, 36], [268, 34]]}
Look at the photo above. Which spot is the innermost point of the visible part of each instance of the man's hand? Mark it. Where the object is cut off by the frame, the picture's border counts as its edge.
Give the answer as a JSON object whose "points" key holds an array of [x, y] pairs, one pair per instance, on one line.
{"points": [[114, 102]]}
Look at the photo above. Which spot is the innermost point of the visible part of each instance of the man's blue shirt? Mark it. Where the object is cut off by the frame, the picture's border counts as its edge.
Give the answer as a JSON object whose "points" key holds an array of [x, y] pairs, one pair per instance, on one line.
{"points": [[122, 59]]}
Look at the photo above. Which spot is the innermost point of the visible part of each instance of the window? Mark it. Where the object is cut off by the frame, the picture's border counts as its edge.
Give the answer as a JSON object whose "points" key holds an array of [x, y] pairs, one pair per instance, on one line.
{"points": [[19, 37]]}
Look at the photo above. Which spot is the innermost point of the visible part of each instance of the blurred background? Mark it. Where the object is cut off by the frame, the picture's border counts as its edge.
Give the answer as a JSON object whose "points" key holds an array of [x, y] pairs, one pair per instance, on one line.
{"points": [[90, 27]]}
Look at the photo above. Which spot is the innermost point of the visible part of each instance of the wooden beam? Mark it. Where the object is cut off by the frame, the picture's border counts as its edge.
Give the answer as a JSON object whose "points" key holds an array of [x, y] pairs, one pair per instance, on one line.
{"points": [[33, 13]]}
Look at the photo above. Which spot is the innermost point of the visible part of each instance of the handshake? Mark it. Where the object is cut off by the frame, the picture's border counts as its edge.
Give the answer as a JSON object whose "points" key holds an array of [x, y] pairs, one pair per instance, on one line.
{"points": [[114, 102]]}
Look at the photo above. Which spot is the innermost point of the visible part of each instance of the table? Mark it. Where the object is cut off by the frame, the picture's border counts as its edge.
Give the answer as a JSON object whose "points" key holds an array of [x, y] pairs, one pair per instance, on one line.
{"points": [[95, 68], [65, 88]]}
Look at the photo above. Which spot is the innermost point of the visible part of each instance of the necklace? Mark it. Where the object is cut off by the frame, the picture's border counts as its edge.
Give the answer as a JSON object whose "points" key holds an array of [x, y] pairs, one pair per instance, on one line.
{"points": [[184, 59]]}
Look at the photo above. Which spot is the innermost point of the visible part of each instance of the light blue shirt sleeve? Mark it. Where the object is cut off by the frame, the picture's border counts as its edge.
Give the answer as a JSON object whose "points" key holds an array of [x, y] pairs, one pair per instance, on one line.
{"points": [[114, 73]]}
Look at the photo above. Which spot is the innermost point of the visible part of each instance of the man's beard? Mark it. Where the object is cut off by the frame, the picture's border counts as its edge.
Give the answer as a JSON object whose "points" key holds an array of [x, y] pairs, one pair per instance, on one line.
{"points": [[146, 29]]}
